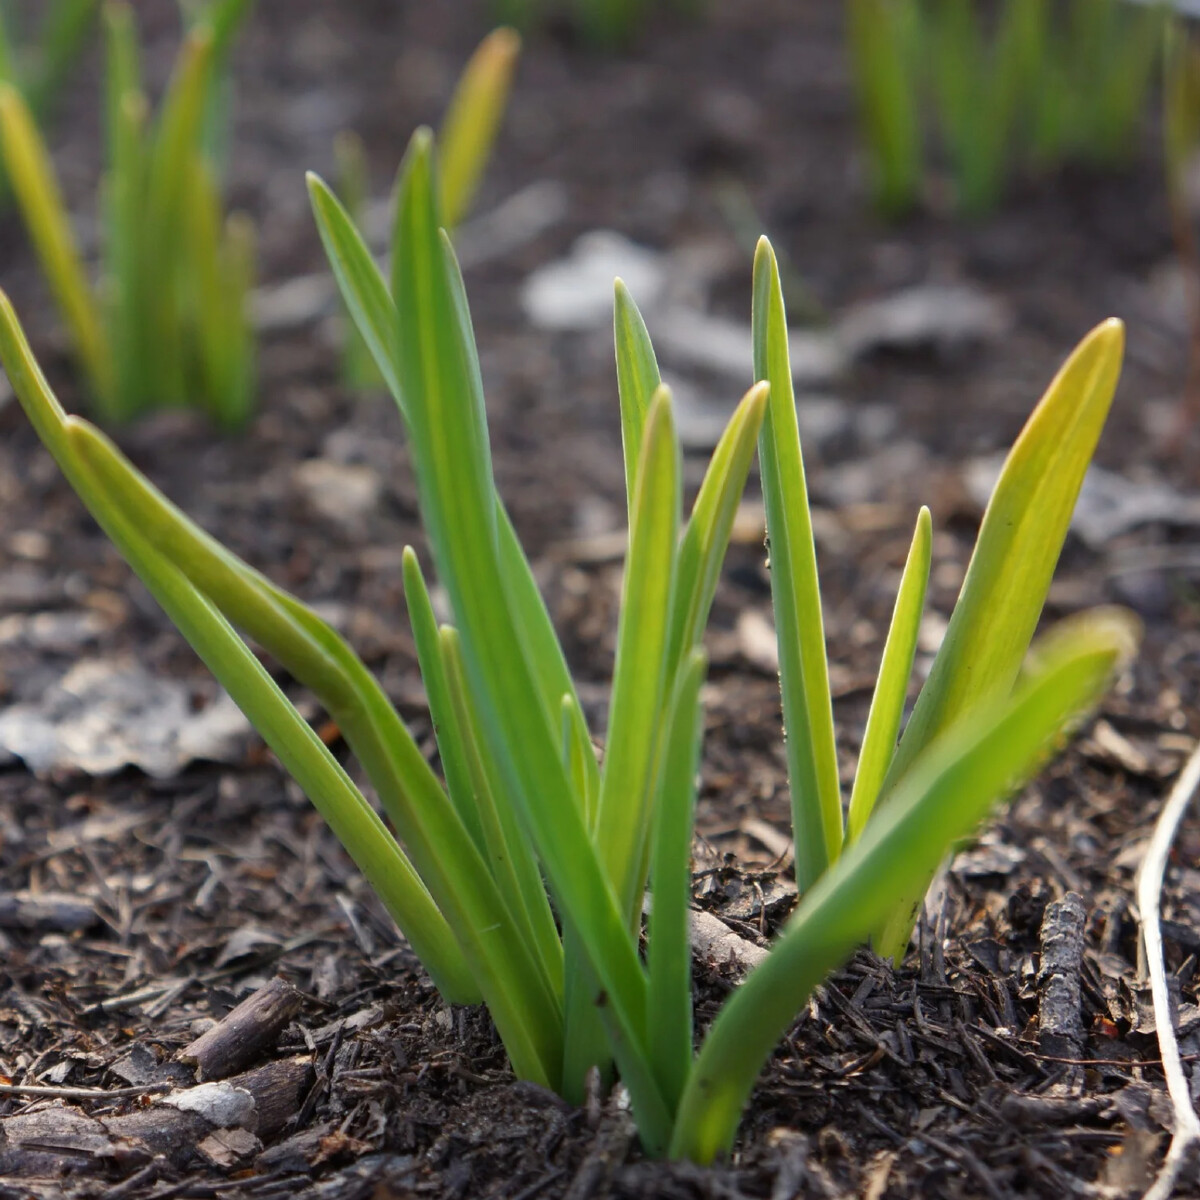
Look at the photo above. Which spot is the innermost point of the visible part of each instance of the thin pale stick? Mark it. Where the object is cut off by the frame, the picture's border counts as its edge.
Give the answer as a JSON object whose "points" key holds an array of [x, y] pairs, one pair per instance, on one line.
{"points": [[79, 1093], [1186, 1134]]}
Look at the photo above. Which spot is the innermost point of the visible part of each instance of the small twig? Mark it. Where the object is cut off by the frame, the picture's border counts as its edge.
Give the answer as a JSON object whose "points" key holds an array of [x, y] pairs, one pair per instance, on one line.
{"points": [[1186, 1133], [39, 1092], [1111, 1062], [243, 1034]]}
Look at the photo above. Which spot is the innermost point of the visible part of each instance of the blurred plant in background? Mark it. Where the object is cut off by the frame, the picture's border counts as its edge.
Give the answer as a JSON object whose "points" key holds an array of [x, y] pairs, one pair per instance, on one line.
{"points": [[37, 62], [1040, 85], [1181, 140], [605, 23], [467, 136], [168, 322]]}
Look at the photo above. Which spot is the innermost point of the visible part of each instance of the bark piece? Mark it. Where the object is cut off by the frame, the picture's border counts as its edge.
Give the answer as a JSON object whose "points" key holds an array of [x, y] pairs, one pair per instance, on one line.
{"points": [[1060, 1020], [713, 939], [242, 1035], [278, 1089], [228, 1147]]}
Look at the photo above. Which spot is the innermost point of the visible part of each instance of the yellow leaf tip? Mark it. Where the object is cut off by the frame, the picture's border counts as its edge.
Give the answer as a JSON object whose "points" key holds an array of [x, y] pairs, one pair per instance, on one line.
{"points": [[505, 40], [1108, 336]]}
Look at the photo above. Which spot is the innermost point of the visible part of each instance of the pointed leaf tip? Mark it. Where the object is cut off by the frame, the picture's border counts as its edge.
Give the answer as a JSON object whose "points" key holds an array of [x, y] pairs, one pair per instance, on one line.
{"points": [[421, 142], [1110, 332], [660, 405], [505, 38]]}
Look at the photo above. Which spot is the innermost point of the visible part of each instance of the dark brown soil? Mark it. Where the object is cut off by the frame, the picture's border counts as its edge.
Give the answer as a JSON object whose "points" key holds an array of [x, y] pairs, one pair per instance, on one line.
{"points": [[926, 1080]]}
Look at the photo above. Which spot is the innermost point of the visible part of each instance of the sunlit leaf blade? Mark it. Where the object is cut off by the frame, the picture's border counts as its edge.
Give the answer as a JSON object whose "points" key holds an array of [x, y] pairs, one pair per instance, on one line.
{"points": [[638, 379], [526, 1010], [1019, 542], [438, 374], [669, 958], [473, 780], [437, 839], [1009, 574], [358, 363], [366, 296], [36, 187], [710, 526], [306, 759], [586, 1045], [640, 677], [941, 800], [891, 685], [446, 728], [533, 628], [359, 280], [472, 120], [579, 756], [351, 818], [799, 625], [513, 865], [541, 644]]}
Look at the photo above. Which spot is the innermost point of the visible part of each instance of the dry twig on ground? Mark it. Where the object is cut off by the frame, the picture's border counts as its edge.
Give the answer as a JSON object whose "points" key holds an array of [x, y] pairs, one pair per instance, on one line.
{"points": [[1185, 1136]]}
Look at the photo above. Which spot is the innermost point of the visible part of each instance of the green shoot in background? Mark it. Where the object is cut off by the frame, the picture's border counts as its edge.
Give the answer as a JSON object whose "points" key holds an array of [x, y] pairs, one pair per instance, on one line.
{"points": [[168, 323], [519, 878], [607, 24], [1033, 86], [468, 135], [38, 63], [1181, 140]]}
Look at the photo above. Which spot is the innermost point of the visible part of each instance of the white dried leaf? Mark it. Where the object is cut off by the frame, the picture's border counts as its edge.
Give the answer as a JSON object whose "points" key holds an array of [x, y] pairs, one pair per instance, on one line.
{"points": [[220, 1104], [109, 713]]}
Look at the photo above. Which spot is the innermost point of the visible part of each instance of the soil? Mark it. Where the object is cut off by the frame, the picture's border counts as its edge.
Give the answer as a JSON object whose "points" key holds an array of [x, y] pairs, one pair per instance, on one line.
{"points": [[926, 1079]]}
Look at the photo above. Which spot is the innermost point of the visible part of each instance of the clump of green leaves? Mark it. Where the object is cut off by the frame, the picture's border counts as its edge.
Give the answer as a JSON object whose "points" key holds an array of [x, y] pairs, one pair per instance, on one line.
{"points": [[520, 881], [168, 323], [1042, 85]]}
